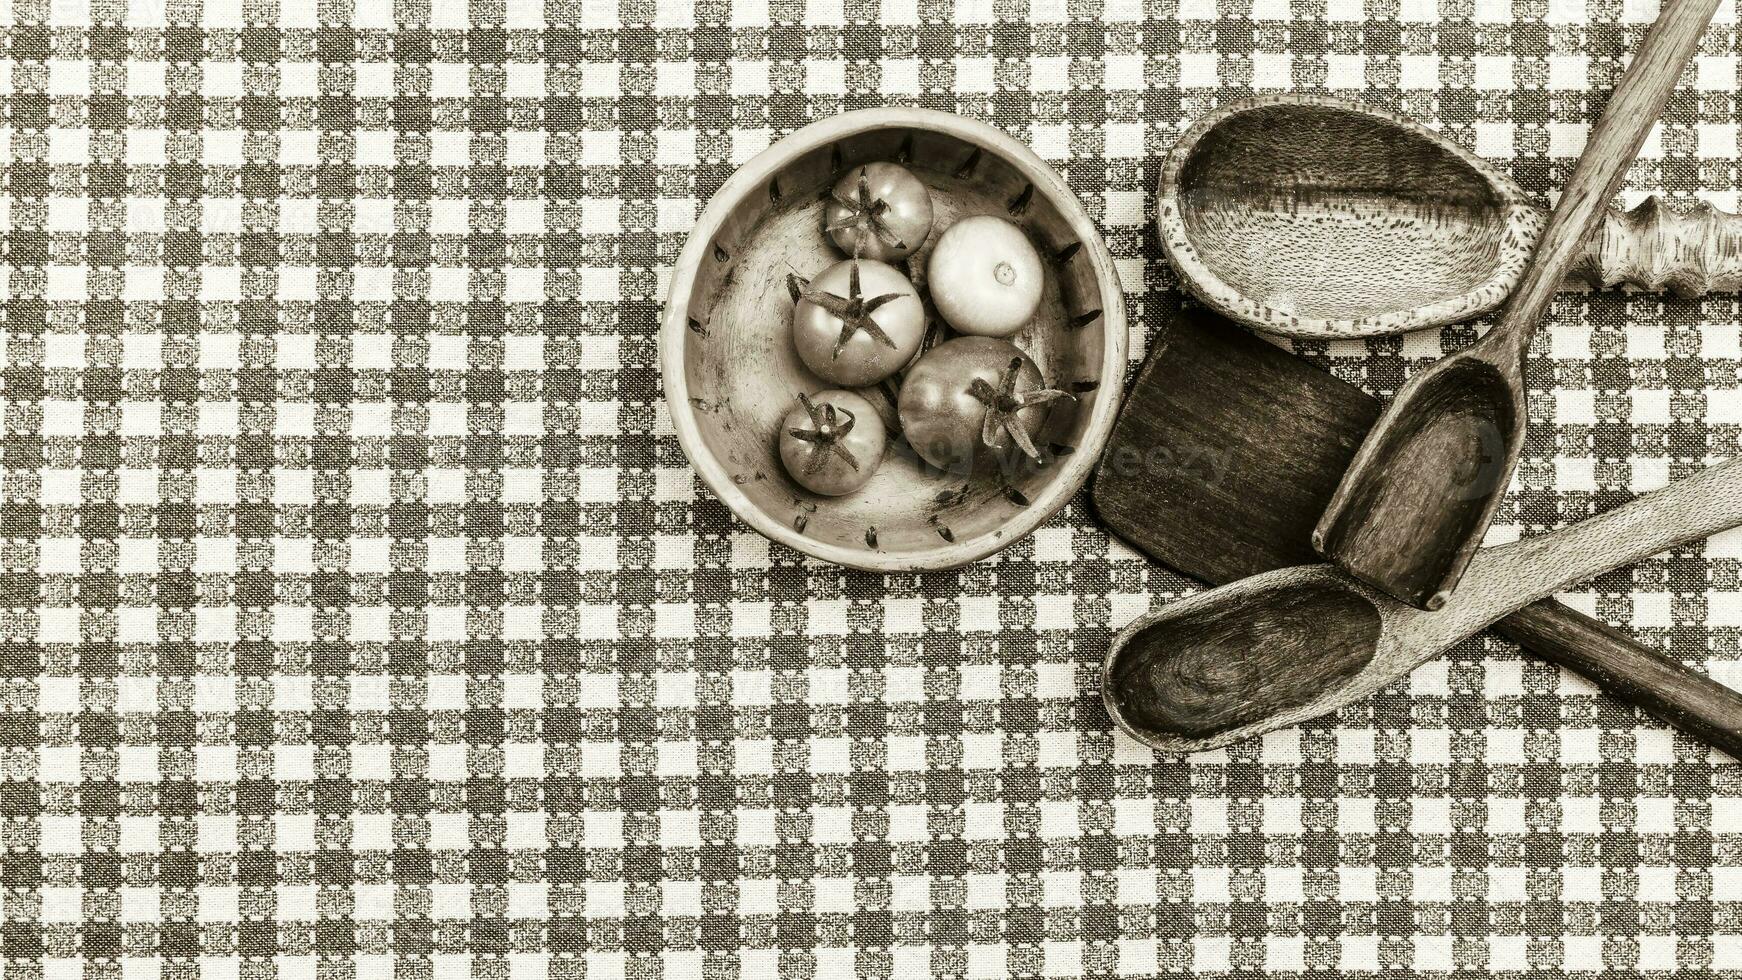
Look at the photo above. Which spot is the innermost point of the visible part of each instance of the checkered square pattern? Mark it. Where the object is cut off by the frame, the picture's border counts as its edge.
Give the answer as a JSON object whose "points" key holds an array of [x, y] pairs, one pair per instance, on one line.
{"points": [[360, 616]]}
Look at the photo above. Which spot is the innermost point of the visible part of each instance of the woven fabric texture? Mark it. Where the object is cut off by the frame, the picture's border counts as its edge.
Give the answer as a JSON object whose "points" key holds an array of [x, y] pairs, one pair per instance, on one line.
{"points": [[362, 617]]}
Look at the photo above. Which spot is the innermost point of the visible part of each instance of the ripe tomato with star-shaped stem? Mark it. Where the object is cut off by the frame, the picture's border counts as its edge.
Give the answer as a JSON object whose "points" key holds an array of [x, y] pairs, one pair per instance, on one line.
{"points": [[857, 322], [972, 396], [879, 211], [832, 441]]}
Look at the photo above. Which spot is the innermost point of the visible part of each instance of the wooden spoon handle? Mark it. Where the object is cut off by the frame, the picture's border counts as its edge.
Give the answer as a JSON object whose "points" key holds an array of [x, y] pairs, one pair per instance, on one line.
{"points": [[1624, 669], [1651, 247], [1635, 106], [1510, 576]]}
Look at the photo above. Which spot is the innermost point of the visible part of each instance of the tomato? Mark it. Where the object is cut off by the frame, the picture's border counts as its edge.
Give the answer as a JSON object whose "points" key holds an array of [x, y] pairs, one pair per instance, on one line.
{"points": [[832, 441], [985, 276], [971, 395], [857, 322], [878, 211]]}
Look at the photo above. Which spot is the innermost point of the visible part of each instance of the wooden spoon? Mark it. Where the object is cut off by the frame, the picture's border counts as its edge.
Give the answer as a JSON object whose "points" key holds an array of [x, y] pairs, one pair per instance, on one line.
{"points": [[1224, 454], [1278, 210], [1278, 648], [1411, 511]]}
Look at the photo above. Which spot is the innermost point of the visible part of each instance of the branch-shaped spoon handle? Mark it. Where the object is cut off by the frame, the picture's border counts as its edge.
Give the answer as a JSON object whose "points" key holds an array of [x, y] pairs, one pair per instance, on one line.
{"points": [[1633, 109], [1511, 576], [1651, 247]]}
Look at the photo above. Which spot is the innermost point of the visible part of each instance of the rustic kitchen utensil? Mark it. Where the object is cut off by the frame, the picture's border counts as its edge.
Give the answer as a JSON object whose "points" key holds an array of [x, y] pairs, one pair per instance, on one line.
{"points": [[1224, 455], [731, 371], [1413, 506], [1317, 217], [1280, 647]]}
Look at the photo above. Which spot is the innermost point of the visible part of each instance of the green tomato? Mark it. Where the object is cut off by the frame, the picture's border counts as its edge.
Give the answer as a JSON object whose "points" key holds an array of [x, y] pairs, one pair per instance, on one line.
{"points": [[985, 277]]}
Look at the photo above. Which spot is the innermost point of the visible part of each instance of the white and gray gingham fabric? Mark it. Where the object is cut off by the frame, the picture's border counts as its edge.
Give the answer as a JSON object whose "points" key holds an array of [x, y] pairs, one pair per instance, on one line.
{"points": [[362, 618]]}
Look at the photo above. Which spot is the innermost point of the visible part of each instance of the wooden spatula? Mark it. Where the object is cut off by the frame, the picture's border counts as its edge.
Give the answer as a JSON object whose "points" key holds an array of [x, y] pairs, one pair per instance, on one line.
{"points": [[1224, 455]]}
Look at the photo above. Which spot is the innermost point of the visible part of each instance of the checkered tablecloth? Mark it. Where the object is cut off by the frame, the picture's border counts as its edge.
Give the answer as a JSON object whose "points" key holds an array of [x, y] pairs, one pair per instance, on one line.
{"points": [[362, 617]]}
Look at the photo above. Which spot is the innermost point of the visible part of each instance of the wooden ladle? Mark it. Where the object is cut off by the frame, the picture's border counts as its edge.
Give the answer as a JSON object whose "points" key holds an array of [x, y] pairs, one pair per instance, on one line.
{"points": [[1412, 509], [1280, 647], [1317, 217]]}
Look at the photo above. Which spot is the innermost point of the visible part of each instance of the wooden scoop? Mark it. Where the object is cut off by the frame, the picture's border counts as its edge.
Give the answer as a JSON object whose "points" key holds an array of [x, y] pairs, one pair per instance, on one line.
{"points": [[1224, 454], [1277, 648], [1412, 509], [1316, 217]]}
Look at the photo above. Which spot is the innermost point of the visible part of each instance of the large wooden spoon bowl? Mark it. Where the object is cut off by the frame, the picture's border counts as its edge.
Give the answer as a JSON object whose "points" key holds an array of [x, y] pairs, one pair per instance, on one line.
{"points": [[1314, 217], [731, 371]]}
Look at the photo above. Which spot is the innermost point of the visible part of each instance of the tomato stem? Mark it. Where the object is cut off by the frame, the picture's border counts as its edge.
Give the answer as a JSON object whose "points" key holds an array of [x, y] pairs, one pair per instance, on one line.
{"points": [[866, 216], [853, 310], [1004, 406], [825, 439]]}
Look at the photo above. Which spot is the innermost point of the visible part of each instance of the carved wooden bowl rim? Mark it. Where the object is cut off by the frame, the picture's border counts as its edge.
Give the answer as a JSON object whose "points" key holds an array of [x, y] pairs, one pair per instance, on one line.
{"points": [[1514, 252], [752, 178]]}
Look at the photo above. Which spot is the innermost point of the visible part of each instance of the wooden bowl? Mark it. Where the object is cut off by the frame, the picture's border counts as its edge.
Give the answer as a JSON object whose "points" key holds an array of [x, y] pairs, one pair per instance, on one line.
{"points": [[731, 372]]}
